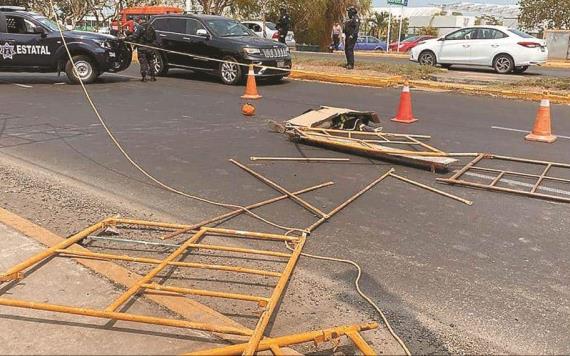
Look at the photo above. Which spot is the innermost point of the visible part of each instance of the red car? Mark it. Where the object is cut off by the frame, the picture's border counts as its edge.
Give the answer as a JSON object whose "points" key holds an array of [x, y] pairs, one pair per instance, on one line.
{"points": [[408, 43]]}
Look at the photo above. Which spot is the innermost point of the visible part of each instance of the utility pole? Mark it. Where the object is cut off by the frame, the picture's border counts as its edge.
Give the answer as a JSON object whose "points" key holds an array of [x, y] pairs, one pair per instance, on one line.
{"points": [[389, 27], [401, 21]]}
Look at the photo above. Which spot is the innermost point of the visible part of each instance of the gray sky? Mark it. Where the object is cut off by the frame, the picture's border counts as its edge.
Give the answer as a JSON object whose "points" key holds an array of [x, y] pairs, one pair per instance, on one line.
{"points": [[415, 3]]}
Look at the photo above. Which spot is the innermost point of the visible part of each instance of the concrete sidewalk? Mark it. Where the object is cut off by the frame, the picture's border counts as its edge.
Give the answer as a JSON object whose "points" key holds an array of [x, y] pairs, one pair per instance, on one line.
{"points": [[63, 281]]}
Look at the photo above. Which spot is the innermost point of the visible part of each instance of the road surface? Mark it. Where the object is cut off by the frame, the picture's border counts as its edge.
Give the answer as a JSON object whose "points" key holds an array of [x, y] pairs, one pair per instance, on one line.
{"points": [[492, 277]]}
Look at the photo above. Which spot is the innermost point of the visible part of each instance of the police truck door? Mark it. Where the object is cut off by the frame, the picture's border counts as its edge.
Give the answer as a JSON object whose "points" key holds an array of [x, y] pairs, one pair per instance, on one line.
{"points": [[25, 44]]}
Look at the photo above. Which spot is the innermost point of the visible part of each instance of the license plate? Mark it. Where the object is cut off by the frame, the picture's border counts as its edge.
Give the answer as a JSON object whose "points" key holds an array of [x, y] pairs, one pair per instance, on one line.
{"points": [[280, 64]]}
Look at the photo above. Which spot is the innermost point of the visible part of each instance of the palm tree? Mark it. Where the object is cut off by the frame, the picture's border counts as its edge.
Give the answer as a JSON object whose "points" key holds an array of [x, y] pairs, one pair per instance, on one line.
{"points": [[379, 21]]}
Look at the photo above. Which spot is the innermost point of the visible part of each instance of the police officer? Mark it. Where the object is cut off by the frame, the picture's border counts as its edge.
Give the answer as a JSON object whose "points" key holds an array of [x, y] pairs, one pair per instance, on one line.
{"points": [[145, 34], [351, 28], [283, 24]]}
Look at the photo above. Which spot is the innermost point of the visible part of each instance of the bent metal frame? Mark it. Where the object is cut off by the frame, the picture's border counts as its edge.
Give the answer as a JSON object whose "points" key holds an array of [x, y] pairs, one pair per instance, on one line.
{"points": [[501, 174], [145, 284]]}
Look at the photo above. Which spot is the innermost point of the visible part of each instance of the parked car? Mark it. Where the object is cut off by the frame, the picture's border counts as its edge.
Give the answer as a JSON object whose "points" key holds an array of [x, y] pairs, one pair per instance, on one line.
{"points": [[217, 37], [30, 42], [504, 49], [409, 43], [270, 31], [367, 43]]}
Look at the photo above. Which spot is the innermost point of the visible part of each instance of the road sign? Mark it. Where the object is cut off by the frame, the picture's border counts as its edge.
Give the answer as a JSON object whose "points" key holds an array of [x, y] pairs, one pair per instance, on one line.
{"points": [[398, 2]]}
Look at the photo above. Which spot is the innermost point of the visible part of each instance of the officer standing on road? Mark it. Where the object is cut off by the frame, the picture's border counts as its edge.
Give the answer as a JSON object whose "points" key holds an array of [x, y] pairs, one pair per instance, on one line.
{"points": [[351, 28], [145, 35], [283, 24]]}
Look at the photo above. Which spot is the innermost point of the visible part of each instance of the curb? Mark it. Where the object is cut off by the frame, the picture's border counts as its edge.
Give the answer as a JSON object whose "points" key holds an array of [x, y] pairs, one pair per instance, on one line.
{"points": [[381, 82], [186, 308]]}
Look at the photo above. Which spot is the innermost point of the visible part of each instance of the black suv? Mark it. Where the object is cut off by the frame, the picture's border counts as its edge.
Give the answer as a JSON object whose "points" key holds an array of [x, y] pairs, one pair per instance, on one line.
{"points": [[220, 38], [30, 42]]}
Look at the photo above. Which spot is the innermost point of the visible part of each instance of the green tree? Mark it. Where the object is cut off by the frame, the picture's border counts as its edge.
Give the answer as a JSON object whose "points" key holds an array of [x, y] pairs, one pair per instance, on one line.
{"points": [[312, 21], [379, 22], [545, 14]]}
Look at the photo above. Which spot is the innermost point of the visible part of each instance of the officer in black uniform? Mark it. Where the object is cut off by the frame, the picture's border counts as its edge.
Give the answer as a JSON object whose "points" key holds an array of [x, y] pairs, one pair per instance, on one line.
{"points": [[146, 35], [351, 28], [283, 24]]}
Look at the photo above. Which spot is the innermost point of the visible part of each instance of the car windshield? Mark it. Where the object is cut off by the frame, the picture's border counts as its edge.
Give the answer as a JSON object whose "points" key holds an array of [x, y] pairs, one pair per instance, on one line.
{"points": [[228, 28], [46, 23], [520, 33]]}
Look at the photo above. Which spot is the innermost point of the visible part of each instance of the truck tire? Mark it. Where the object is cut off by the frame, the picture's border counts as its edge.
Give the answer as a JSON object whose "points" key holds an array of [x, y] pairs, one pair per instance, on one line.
{"points": [[84, 65]]}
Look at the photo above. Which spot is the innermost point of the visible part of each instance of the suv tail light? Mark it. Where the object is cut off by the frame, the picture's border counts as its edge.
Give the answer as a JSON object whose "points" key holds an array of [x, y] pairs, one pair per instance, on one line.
{"points": [[530, 44], [275, 36]]}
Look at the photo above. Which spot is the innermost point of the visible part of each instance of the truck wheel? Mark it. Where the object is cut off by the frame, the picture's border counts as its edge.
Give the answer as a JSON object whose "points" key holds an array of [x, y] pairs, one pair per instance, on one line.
{"points": [[231, 72], [84, 67]]}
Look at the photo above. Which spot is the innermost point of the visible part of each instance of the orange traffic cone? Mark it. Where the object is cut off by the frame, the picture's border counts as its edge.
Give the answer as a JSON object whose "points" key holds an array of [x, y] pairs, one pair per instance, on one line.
{"points": [[248, 110], [405, 114], [542, 130], [251, 87]]}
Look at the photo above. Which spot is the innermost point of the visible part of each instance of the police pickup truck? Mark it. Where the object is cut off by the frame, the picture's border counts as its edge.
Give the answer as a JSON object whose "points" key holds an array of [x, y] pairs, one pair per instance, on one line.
{"points": [[30, 42]]}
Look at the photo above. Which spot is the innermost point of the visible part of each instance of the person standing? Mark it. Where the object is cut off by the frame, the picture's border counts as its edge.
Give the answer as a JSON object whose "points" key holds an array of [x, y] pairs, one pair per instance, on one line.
{"points": [[283, 24], [144, 34], [351, 28], [335, 35]]}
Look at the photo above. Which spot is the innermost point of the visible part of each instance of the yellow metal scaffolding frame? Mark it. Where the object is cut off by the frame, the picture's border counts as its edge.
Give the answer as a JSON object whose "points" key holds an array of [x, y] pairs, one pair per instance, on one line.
{"points": [[274, 345], [146, 284], [498, 176]]}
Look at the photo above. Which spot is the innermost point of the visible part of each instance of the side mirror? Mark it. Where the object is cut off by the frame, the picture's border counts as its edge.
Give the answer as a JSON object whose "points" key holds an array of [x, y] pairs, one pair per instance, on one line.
{"points": [[40, 31], [202, 33]]}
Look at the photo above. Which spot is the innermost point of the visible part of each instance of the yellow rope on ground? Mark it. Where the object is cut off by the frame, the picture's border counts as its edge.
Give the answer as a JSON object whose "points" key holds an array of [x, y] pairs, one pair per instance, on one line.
{"points": [[359, 291], [136, 165]]}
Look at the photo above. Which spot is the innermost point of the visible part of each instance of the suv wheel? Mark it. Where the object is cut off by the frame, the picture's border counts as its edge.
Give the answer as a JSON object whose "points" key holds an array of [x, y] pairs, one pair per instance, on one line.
{"points": [[427, 58], [231, 72], [503, 64], [86, 71], [159, 64]]}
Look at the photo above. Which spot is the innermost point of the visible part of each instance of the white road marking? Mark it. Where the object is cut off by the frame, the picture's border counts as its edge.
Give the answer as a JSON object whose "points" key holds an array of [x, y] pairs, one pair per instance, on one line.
{"points": [[521, 184], [523, 131], [16, 84]]}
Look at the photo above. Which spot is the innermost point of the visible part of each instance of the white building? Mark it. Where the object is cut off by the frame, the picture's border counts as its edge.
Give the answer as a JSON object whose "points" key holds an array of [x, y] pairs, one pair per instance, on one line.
{"points": [[447, 18]]}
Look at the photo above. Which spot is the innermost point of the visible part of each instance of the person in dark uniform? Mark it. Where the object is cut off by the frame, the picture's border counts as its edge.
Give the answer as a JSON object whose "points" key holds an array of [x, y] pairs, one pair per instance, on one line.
{"points": [[351, 28], [283, 25], [145, 34]]}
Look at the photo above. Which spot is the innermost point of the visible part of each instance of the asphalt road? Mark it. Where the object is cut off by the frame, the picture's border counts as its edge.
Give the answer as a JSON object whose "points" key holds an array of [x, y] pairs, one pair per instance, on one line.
{"points": [[492, 277], [530, 73]]}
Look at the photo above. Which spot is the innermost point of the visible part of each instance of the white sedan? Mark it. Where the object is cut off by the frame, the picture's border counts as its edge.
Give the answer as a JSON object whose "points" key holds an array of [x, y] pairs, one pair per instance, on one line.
{"points": [[504, 49], [270, 31]]}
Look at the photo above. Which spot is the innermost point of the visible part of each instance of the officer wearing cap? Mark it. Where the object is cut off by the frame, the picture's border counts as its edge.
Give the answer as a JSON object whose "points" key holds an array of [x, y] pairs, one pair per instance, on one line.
{"points": [[283, 24], [351, 28]]}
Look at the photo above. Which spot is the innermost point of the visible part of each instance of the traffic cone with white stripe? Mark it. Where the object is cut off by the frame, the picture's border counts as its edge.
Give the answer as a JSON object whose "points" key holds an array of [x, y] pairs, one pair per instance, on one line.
{"points": [[542, 130], [251, 86], [405, 114]]}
